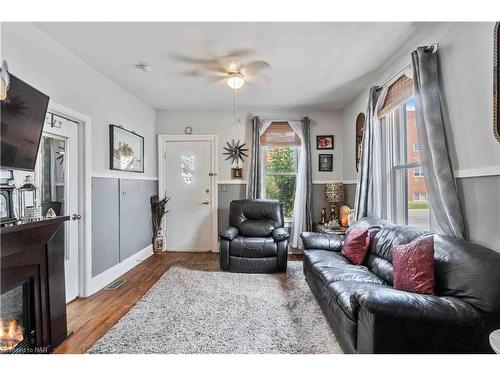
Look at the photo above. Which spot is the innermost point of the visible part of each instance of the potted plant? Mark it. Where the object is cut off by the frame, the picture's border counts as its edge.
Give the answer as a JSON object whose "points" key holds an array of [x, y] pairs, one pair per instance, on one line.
{"points": [[158, 210]]}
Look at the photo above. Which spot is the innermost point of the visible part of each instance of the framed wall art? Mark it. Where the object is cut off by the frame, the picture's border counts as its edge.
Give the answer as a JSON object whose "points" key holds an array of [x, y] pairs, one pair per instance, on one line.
{"points": [[126, 150], [324, 142], [325, 163]]}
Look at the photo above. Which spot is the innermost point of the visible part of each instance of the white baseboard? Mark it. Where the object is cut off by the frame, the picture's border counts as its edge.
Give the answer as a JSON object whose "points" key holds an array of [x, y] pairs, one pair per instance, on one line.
{"points": [[100, 281]]}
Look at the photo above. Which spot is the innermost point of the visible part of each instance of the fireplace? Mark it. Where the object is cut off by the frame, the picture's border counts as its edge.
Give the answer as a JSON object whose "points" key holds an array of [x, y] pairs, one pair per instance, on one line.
{"points": [[32, 292], [17, 325]]}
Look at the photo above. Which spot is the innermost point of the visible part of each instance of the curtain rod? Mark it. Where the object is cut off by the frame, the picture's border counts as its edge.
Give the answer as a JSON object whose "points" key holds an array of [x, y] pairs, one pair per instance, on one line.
{"points": [[433, 46]]}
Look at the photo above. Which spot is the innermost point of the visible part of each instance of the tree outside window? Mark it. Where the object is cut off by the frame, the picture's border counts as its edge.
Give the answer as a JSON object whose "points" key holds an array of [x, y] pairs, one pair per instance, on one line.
{"points": [[280, 176]]}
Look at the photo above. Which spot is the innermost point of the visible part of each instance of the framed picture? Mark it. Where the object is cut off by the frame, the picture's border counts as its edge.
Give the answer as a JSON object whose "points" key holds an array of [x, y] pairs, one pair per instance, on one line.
{"points": [[236, 173], [126, 150], [324, 142], [325, 163]]}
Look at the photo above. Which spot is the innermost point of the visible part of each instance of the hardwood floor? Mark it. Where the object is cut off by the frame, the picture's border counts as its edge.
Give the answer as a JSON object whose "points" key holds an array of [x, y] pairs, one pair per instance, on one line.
{"points": [[90, 318]]}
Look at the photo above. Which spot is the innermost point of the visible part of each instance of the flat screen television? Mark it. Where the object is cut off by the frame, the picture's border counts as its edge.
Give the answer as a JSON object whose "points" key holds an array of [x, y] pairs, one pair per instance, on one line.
{"points": [[22, 115]]}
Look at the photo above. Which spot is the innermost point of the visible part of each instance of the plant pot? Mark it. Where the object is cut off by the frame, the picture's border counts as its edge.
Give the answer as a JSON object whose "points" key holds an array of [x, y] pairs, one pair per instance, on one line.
{"points": [[158, 241]]}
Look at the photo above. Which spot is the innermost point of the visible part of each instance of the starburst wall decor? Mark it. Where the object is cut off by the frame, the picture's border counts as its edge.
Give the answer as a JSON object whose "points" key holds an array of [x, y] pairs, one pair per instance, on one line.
{"points": [[235, 152]]}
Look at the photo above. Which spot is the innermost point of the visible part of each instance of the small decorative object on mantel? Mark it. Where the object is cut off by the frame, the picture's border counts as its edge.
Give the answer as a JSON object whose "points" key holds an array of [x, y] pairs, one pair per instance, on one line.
{"points": [[324, 142], [325, 163], [235, 152], [158, 210], [27, 200], [126, 150]]}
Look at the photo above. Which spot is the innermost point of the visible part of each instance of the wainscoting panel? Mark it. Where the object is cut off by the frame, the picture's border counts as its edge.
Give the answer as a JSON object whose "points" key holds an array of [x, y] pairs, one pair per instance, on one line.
{"points": [[228, 193], [105, 224], [135, 215], [480, 197]]}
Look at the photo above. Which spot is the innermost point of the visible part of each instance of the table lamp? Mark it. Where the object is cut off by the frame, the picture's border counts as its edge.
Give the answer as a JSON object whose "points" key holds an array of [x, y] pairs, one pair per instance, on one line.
{"points": [[335, 195]]}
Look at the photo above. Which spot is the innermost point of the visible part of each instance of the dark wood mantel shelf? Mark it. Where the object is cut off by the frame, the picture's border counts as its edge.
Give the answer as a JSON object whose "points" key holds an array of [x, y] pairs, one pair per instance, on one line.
{"points": [[27, 254]]}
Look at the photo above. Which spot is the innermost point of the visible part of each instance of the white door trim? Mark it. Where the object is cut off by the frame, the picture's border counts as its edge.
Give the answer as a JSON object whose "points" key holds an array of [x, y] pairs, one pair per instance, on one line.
{"points": [[85, 194], [212, 138]]}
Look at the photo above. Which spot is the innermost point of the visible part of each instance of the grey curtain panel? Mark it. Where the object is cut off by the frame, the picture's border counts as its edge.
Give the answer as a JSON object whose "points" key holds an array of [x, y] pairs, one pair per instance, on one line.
{"points": [[365, 175], [436, 165], [309, 196], [254, 175]]}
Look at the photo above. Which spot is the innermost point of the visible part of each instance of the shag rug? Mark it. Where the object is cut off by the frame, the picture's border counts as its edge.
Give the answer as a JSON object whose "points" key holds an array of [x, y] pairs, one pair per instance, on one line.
{"points": [[196, 308]]}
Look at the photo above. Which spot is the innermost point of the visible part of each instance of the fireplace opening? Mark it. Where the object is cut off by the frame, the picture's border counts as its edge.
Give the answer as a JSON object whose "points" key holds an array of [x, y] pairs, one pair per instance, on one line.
{"points": [[16, 319]]}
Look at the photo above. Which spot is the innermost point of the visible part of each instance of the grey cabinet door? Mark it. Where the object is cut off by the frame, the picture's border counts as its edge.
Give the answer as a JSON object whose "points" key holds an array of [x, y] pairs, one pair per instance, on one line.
{"points": [[105, 224], [135, 215]]}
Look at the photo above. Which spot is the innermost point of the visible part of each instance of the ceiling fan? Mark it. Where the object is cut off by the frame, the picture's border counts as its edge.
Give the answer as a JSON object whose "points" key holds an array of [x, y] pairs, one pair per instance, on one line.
{"points": [[231, 67]]}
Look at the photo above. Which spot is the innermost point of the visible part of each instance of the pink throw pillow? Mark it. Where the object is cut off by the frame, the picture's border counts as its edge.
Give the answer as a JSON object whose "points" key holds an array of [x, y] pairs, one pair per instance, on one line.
{"points": [[413, 266], [356, 245]]}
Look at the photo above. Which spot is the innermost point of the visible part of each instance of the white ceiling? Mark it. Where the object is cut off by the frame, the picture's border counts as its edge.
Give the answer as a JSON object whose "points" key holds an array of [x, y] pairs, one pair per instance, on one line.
{"points": [[314, 65]]}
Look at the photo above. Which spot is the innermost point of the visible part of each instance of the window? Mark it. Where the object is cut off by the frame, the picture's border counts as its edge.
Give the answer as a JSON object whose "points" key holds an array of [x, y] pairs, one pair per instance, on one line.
{"points": [[405, 191], [418, 172], [419, 196], [280, 149], [410, 190]]}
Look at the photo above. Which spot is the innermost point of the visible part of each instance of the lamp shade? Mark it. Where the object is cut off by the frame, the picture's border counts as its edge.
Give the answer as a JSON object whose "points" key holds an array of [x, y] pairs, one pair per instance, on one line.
{"points": [[335, 192]]}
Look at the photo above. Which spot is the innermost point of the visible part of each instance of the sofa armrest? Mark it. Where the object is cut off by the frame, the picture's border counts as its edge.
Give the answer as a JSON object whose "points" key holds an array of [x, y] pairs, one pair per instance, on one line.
{"points": [[280, 234], [229, 233], [322, 241], [388, 302]]}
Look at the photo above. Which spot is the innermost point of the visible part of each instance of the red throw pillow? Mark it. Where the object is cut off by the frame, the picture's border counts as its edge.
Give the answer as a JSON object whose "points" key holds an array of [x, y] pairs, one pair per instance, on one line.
{"points": [[413, 266], [356, 245]]}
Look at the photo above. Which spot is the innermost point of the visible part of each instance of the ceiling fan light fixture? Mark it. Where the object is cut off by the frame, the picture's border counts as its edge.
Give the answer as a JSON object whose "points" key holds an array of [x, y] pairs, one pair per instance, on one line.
{"points": [[235, 80]]}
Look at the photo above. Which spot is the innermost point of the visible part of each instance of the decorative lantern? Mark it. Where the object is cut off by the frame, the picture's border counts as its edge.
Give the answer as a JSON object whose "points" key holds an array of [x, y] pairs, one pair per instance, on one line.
{"points": [[335, 195], [27, 199]]}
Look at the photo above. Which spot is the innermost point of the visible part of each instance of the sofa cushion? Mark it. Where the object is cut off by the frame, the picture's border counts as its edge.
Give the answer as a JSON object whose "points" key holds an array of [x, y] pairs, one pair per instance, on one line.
{"points": [[323, 258], [256, 217], [356, 245], [468, 271], [332, 267], [413, 266], [391, 235], [252, 247], [342, 291]]}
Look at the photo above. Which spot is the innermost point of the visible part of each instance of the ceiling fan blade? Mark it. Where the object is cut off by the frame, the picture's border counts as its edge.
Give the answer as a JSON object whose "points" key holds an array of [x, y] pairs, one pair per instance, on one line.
{"points": [[255, 66], [192, 60], [241, 52], [260, 78]]}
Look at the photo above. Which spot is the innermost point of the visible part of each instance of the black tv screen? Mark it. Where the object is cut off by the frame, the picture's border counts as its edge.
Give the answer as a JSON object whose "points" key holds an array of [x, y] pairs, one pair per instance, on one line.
{"points": [[22, 115]]}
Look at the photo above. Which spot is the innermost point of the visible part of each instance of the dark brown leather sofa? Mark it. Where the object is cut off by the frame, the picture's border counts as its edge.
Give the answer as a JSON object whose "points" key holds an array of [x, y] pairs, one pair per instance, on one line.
{"points": [[369, 316]]}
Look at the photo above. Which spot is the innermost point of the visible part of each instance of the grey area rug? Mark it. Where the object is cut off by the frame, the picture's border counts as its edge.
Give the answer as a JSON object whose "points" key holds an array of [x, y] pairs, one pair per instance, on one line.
{"points": [[196, 308]]}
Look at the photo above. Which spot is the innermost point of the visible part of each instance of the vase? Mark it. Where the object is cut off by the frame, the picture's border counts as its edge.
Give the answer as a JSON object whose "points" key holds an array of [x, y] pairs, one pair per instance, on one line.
{"points": [[158, 242]]}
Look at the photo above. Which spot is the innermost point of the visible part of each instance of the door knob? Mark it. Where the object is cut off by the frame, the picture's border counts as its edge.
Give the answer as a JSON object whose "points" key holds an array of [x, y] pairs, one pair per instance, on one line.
{"points": [[76, 217], [205, 202]]}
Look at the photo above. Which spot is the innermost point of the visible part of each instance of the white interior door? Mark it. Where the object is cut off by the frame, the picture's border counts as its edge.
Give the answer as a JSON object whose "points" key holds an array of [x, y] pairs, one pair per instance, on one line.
{"points": [[56, 176], [187, 178]]}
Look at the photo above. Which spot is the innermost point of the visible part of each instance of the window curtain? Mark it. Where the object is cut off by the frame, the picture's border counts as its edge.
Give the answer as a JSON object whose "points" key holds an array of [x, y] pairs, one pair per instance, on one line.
{"points": [[306, 122], [255, 184], [445, 207], [301, 187], [370, 185]]}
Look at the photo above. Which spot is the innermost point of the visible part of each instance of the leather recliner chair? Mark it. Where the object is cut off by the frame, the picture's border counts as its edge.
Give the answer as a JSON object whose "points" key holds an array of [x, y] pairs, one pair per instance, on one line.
{"points": [[256, 240]]}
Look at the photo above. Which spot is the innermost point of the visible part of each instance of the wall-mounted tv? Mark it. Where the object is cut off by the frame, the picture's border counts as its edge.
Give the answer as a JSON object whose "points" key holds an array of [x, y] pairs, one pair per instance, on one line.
{"points": [[22, 115]]}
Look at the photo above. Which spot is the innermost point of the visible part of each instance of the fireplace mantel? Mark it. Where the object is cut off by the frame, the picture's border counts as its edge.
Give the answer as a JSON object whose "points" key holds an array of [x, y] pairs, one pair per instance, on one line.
{"points": [[28, 254]]}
